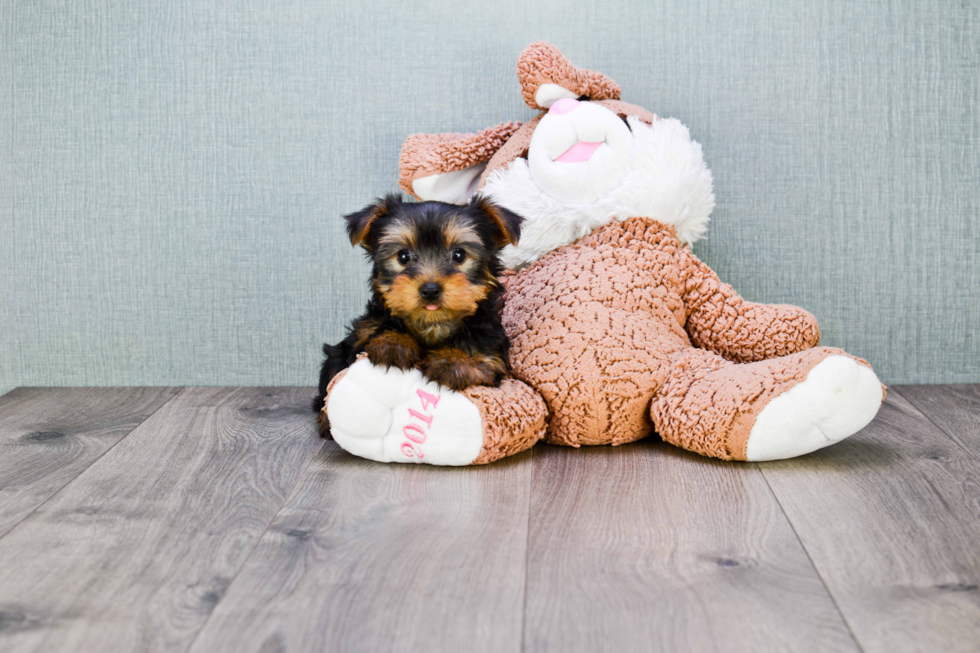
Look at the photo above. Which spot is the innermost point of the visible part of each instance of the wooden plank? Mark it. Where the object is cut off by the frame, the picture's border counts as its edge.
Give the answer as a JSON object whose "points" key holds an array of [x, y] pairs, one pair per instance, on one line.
{"points": [[136, 551], [648, 547], [48, 436], [953, 408], [891, 520], [367, 556]]}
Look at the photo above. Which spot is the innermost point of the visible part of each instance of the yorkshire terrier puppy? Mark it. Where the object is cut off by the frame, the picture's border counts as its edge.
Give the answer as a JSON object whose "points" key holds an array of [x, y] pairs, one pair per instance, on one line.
{"points": [[435, 301]]}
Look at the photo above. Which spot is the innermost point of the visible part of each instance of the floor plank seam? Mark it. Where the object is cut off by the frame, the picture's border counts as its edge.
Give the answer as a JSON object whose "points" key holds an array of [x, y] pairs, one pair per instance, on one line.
{"points": [[258, 540], [527, 551], [816, 569], [929, 419], [89, 466]]}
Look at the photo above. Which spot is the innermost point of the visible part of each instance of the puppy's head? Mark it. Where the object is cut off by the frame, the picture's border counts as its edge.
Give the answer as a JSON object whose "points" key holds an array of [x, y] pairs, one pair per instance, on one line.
{"points": [[433, 262]]}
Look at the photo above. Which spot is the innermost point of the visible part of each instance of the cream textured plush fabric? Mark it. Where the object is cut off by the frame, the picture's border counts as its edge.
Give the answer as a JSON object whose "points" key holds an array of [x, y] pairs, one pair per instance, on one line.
{"points": [[617, 329]]}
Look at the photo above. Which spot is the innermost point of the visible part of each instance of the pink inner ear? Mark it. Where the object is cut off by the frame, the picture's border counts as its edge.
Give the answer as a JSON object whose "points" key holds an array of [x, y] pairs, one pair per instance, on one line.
{"points": [[579, 152], [563, 105]]}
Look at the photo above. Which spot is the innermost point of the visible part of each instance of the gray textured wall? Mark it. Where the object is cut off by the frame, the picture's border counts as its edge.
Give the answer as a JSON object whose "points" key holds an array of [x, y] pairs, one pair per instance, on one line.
{"points": [[172, 174]]}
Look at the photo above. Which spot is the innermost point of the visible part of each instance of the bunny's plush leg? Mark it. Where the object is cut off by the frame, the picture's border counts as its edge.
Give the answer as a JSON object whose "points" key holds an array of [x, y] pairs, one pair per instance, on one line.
{"points": [[598, 369], [400, 416], [768, 410]]}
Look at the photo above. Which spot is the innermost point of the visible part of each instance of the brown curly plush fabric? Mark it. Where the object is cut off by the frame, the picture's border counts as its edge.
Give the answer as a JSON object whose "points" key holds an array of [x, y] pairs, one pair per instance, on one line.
{"points": [[321, 418], [542, 63], [514, 418], [517, 146], [625, 110], [428, 154], [709, 404], [602, 327], [761, 331]]}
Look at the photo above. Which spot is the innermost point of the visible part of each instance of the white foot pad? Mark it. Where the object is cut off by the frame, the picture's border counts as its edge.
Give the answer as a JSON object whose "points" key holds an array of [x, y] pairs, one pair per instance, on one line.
{"points": [[394, 416], [838, 398]]}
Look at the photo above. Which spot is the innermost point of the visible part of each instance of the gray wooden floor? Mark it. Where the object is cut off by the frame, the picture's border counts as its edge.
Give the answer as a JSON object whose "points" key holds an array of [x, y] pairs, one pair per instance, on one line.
{"points": [[214, 519]]}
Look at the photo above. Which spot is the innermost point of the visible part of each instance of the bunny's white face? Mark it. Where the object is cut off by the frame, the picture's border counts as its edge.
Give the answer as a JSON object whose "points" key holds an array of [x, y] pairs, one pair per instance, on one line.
{"points": [[586, 167], [580, 152]]}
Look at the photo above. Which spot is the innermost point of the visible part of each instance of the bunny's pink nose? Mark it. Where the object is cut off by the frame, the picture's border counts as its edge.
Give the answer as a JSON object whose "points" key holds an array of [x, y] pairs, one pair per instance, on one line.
{"points": [[563, 105]]}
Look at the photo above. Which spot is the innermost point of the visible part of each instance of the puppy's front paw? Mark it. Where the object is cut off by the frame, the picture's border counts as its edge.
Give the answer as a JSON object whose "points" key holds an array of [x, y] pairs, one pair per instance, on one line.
{"points": [[455, 369], [393, 349]]}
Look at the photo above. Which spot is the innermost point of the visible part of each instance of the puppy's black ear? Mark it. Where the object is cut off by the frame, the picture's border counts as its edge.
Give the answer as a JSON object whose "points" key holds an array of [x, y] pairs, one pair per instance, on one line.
{"points": [[507, 223], [359, 223]]}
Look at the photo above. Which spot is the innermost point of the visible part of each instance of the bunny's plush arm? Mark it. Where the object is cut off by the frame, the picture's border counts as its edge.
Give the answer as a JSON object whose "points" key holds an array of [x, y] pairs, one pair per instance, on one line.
{"points": [[719, 320]]}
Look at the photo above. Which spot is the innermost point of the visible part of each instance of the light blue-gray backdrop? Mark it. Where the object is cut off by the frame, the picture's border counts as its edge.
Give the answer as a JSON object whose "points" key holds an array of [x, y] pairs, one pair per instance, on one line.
{"points": [[172, 174]]}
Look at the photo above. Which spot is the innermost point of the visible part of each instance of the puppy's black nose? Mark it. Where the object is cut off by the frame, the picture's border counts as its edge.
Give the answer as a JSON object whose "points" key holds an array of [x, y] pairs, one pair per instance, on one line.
{"points": [[430, 290]]}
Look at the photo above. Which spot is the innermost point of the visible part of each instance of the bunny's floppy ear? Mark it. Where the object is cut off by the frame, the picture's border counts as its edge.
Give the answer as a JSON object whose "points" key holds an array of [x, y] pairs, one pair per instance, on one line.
{"points": [[359, 223], [447, 167], [546, 76]]}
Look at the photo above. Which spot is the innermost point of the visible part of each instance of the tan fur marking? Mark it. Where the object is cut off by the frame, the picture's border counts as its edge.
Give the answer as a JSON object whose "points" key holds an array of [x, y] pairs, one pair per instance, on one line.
{"points": [[436, 332], [460, 295], [493, 212], [459, 300], [394, 349], [365, 329], [458, 233], [323, 424], [464, 236], [402, 296], [378, 211], [457, 370], [398, 234], [402, 299]]}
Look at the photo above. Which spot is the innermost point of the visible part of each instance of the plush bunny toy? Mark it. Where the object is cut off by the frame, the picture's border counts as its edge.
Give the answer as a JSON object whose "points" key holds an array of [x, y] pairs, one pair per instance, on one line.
{"points": [[617, 330]]}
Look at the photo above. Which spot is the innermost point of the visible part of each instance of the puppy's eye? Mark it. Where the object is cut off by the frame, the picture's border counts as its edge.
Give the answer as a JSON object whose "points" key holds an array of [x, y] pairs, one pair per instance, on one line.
{"points": [[404, 257], [458, 255]]}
